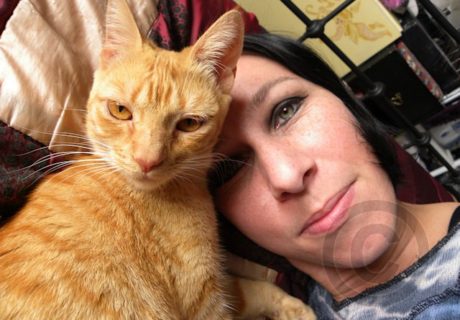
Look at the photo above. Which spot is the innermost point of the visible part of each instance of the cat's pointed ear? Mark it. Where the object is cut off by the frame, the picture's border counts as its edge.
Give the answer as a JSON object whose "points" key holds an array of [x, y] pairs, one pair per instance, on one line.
{"points": [[219, 48], [121, 32]]}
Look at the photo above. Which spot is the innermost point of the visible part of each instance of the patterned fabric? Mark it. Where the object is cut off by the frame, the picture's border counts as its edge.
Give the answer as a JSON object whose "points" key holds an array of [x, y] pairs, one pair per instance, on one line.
{"points": [[171, 29], [6, 9], [419, 70], [19, 167], [181, 22], [429, 289]]}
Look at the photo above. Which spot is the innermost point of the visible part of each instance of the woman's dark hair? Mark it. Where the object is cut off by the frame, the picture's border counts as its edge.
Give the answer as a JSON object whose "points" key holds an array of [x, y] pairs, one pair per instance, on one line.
{"points": [[302, 61]]}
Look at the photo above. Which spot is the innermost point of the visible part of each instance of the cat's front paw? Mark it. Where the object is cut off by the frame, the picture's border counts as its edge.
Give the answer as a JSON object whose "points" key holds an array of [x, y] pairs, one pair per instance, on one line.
{"points": [[291, 308]]}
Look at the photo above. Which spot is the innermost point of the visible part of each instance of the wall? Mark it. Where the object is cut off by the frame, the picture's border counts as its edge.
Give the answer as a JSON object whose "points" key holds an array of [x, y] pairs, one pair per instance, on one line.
{"points": [[361, 30]]}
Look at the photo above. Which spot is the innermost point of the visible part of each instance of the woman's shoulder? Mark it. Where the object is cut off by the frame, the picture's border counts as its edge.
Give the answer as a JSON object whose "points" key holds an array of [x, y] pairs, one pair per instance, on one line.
{"points": [[449, 211], [429, 289], [436, 219], [455, 216]]}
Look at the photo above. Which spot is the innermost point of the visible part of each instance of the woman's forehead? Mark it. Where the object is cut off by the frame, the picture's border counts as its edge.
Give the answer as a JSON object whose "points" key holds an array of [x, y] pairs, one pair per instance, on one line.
{"points": [[257, 75], [254, 72], [253, 62]]}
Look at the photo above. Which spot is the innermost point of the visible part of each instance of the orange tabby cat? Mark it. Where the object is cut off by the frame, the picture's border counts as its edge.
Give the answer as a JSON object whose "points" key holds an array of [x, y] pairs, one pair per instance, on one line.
{"points": [[130, 232]]}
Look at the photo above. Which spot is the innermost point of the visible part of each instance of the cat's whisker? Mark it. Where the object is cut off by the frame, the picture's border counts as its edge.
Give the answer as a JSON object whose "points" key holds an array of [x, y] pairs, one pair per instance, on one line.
{"points": [[67, 134], [67, 177], [52, 167], [191, 172], [186, 166], [116, 158], [84, 138], [214, 156], [219, 156], [97, 171], [196, 169], [224, 168], [56, 155], [55, 167], [90, 169], [104, 171], [73, 135], [179, 179], [76, 145], [101, 169], [91, 163], [32, 151], [204, 162], [194, 177], [35, 164]]}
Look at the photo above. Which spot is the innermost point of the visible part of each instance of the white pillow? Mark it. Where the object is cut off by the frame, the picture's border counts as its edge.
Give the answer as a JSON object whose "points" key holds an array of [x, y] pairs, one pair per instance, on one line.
{"points": [[48, 52]]}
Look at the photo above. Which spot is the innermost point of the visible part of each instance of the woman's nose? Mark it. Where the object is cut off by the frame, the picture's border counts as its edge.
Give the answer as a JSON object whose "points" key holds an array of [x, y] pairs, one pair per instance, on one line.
{"points": [[284, 172]]}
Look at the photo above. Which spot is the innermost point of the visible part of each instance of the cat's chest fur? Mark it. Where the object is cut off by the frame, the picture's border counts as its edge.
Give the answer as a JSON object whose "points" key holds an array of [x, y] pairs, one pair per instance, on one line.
{"points": [[175, 246], [127, 250]]}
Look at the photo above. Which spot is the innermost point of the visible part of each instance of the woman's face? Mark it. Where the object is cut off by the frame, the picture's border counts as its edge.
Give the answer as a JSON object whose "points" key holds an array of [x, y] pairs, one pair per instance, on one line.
{"points": [[309, 188]]}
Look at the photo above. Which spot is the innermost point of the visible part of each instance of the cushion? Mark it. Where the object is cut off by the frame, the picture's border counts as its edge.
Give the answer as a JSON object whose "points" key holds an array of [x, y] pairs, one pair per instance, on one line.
{"points": [[48, 53]]}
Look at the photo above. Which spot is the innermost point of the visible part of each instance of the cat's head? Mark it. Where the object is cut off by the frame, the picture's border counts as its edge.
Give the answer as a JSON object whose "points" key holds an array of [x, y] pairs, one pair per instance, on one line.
{"points": [[156, 114]]}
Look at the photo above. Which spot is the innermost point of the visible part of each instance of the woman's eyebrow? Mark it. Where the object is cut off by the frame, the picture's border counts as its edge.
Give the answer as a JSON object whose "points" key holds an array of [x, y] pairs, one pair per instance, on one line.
{"points": [[259, 97]]}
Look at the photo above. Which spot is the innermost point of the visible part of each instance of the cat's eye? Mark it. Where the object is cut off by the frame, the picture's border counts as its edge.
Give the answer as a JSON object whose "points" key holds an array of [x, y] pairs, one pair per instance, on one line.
{"points": [[190, 124], [284, 111], [119, 111]]}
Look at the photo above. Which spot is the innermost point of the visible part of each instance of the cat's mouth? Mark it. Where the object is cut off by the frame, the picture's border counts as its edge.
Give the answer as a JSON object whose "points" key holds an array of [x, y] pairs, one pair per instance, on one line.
{"points": [[147, 181], [143, 177]]}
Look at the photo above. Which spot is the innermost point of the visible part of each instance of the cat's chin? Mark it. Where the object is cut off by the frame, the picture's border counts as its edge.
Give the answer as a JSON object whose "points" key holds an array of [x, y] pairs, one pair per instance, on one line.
{"points": [[145, 183]]}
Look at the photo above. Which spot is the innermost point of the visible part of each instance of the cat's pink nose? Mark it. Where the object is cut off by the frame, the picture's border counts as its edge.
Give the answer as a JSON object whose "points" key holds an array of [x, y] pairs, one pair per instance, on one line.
{"points": [[147, 165]]}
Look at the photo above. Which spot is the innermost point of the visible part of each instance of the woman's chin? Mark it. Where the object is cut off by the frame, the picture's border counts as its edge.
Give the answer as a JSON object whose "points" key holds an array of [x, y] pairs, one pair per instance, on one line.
{"points": [[364, 257]]}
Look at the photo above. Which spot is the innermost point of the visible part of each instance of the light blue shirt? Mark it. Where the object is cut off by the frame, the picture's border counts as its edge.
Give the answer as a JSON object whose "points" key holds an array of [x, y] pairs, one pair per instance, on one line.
{"points": [[429, 289]]}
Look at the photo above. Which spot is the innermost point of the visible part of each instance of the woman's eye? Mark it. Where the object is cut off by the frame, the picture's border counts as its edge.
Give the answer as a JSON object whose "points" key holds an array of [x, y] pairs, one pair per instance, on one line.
{"points": [[284, 111]]}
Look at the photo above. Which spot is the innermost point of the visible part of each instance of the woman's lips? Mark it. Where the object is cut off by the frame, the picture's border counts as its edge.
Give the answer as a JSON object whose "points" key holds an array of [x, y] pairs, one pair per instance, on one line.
{"points": [[333, 214]]}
